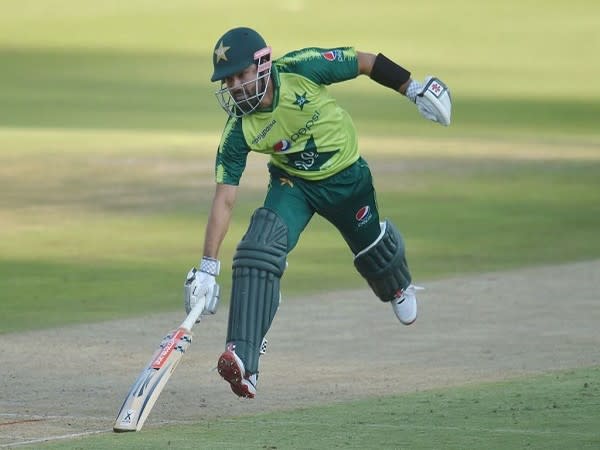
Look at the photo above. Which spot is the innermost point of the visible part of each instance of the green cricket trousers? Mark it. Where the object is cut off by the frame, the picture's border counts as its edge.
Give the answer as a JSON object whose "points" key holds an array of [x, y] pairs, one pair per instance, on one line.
{"points": [[346, 199]]}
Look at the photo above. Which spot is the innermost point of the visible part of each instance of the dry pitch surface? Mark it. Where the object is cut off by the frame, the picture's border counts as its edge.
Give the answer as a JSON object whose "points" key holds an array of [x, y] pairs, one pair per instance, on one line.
{"points": [[68, 382]]}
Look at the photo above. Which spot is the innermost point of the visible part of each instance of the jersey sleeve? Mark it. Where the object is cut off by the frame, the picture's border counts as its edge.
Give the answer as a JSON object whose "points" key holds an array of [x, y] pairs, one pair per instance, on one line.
{"points": [[322, 65], [232, 154]]}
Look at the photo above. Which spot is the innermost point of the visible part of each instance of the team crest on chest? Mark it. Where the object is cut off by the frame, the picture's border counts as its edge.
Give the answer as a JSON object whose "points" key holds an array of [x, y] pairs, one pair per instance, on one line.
{"points": [[301, 100]]}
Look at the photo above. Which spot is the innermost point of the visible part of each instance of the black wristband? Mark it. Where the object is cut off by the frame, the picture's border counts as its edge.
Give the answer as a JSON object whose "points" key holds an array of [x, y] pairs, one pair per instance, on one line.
{"points": [[387, 73]]}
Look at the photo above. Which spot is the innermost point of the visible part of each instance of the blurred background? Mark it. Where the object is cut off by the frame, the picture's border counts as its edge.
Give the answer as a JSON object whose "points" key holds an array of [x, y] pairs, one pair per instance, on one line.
{"points": [[109, 126]]}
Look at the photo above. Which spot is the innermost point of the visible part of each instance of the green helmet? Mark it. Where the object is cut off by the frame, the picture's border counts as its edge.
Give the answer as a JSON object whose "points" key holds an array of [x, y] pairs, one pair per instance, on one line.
{"points": [[235, 51]]}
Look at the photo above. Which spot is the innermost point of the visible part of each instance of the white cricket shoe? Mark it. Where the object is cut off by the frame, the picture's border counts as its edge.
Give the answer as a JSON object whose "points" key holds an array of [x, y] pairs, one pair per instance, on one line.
{"points": [[405, 304]]}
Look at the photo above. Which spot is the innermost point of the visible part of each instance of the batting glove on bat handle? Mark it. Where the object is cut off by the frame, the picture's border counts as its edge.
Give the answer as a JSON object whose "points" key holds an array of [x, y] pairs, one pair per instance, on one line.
{"points": [[202, 283]]}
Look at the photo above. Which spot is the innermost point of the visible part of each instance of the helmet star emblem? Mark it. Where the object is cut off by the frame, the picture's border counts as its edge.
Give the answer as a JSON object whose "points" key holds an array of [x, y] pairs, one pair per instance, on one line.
{"points": [[221, 51]]}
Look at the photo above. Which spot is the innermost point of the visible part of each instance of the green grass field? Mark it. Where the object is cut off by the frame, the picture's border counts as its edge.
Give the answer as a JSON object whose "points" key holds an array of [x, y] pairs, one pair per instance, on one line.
{"points": [[557, 411], [108, 129]]}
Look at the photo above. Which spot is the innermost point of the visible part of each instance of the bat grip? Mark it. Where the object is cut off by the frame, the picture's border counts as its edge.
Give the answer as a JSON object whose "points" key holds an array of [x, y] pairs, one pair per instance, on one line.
{"points": [[194, 314]]}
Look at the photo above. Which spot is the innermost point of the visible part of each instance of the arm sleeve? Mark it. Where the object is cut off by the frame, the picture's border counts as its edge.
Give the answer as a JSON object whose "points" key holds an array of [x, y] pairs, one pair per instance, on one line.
{"points": [[323, 65], [232, 154]]}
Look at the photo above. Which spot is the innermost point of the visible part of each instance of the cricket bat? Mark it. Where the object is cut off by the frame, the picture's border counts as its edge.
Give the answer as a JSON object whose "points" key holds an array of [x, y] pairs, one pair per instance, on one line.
{"points": [[148, 386]]}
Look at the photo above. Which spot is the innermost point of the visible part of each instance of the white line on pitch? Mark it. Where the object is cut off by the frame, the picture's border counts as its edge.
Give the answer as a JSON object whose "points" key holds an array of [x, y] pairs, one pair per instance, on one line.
{"points": [[55, 438], [40, 416]]}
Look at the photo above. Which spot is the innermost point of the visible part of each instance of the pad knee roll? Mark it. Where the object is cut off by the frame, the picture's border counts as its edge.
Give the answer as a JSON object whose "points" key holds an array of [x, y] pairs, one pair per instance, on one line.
{"points": [[258, 264], [383, 263]]}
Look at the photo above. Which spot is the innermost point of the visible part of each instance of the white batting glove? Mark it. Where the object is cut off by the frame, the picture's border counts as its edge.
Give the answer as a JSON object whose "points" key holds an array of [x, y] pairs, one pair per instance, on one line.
{"points": [[202, 283], [432, 98]]}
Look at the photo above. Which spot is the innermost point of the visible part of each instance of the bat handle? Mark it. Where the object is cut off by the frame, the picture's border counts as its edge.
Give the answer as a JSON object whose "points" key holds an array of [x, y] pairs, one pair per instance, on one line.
{"points": [[194, 314]]}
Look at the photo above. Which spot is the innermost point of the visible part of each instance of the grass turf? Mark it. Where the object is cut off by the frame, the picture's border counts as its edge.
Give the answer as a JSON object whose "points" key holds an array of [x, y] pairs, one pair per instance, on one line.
{"points": [[93, 232], [550, 411]]}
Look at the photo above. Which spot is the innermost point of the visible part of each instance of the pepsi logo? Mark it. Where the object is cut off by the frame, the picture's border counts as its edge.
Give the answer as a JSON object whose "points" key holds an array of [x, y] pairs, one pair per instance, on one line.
{"points": [[362, 213], [332, 55], [282, 146]]}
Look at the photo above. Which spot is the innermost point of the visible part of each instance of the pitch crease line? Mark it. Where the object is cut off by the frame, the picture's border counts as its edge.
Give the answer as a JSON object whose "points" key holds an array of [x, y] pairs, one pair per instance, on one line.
{"points": [[55, 438]]}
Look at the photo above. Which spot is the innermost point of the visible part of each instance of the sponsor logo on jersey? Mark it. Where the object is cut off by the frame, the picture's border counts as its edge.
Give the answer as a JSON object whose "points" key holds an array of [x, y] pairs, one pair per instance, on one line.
{"points": [[332, 55], [286, 181], [306, 128], [264, 132], [363, 215], [282, 146]]}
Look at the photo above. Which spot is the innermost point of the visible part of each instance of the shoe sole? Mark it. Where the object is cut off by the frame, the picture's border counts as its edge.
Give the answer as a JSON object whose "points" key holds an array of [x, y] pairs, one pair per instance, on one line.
{"points": [[229, 368]]}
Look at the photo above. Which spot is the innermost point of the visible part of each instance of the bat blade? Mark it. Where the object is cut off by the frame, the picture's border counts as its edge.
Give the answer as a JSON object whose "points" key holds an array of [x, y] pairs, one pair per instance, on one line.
{"points": [[145, 391]]}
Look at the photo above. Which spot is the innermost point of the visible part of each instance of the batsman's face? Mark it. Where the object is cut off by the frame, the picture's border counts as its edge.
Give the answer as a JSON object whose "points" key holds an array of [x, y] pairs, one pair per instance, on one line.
{"points": [[242, 85], [243, 92]]}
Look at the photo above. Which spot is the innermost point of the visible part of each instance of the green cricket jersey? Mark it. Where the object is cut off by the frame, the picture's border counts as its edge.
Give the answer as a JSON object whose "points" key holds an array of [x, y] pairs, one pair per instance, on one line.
{"points": [[306, 133]]}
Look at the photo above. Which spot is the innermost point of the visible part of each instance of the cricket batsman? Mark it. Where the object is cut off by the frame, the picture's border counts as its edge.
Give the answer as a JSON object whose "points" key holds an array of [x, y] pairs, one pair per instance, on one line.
{"points": [[282, 108]]}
